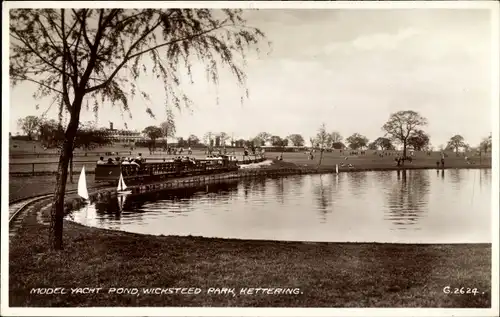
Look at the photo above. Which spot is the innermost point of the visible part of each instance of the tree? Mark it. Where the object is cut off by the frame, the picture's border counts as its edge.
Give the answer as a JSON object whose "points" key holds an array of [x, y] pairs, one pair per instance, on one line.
{"points": [[455, 143], [262, 138], [193, 140], [372, 146], [357, 141], [240, 143], [401, 125], [87, 137], [336, 137], [383, 144], [208, 139], [323, 140], [296, 139], [30, 125], [153, 133], [51, 134], [223, 138], [181, 142], [338, 145], [168, 127], [485, 145], [419, 140], [278, 142], [97, 55]]}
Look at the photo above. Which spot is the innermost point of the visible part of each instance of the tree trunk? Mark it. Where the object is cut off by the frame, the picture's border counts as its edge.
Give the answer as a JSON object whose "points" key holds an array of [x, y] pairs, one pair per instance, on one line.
{"points": [[57, 210], [71, 168], [404, 153], [320, 157]]}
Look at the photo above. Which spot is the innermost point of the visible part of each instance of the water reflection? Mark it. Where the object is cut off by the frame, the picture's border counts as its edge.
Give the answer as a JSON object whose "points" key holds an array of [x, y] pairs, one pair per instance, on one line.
{"points": [[297, 181], [405, 206], [247, 187], [408, 198], [324, 196], [177, 200], [455, 178], [279, 184], [357, 182]]}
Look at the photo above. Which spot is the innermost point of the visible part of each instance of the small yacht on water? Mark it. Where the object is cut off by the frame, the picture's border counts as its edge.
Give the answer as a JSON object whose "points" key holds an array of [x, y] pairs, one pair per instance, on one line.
{"points": [[82, 185], [122, 187]]}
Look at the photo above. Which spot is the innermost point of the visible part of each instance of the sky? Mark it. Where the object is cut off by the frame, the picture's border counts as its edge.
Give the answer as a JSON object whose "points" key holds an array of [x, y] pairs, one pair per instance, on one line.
{"points": [[347, 68]]}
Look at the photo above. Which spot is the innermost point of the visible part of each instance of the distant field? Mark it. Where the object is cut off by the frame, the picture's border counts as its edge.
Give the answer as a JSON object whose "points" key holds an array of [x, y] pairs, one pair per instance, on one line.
{"points": [[370, 160], [22, 160]]}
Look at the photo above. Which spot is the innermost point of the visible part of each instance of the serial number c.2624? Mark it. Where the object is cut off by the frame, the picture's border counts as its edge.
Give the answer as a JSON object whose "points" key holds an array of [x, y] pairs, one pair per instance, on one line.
{"points": [[460, 290]]}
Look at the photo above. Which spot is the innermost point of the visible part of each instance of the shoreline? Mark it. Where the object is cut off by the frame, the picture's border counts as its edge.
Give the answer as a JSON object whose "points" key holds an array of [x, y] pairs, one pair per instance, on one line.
{"points": [[305, 169], [287, 242]]}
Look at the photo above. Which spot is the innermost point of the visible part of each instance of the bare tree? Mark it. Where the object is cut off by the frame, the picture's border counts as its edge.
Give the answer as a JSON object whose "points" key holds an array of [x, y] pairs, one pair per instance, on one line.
{"points": [[223, 138], [455, 143], [97, 55], [323, 140], [262, 138], [29, 125], [336, 137], [402, 124], [357, 141], [296, 139], [168, 126]]}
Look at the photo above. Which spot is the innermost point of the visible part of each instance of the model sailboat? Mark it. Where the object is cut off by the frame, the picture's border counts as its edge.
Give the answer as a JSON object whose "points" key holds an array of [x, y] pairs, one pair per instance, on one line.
{"points": [[122, 188], [336, 168], [82, 185]]}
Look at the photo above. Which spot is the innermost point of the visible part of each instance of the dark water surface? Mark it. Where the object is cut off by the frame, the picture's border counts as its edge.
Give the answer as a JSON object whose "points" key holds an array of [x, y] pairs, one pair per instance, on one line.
{"points": [[414, 206]]}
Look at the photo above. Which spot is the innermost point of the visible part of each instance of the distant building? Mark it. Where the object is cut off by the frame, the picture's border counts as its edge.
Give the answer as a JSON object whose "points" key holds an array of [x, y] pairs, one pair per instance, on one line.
{"points": [[123, 136]]}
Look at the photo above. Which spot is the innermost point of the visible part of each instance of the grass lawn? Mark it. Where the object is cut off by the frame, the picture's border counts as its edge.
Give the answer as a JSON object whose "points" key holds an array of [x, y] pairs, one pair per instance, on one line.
{"points": [[327, 274]]}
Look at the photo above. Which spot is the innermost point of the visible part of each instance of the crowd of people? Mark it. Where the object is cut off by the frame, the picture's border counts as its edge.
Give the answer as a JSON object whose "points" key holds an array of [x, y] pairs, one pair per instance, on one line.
{"points": [[122, 160], [139, 160]]}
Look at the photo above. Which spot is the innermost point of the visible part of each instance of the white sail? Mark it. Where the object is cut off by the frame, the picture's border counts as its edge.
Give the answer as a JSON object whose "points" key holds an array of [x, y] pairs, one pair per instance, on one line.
{"points": [[121, 184], [337, 168], [82, 185]]}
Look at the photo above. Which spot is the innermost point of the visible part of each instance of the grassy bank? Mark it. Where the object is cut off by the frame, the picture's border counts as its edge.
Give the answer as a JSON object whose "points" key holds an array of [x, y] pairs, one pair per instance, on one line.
{"points": [[328, 274]]}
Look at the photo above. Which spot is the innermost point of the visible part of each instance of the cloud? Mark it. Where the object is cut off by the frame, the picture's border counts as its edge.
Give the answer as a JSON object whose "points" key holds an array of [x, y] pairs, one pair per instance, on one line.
{"points": [[383, 41]]}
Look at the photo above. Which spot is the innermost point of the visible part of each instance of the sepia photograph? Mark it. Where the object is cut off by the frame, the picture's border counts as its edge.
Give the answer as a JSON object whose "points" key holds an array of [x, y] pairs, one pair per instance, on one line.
{"points": [[214, 158]]}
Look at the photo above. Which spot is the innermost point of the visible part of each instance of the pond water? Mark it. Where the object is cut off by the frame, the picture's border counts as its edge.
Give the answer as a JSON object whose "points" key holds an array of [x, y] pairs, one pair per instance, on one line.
{"points": [[413, 206]]}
